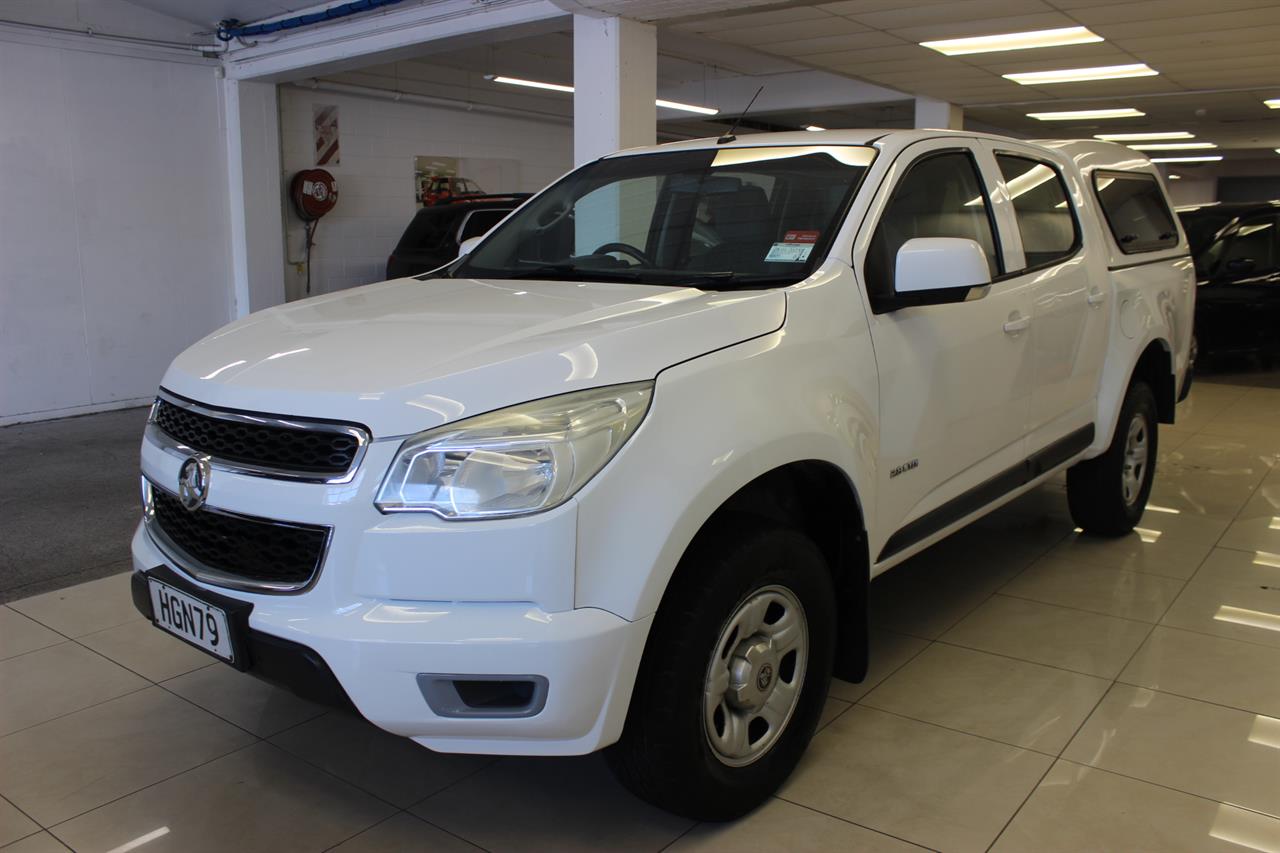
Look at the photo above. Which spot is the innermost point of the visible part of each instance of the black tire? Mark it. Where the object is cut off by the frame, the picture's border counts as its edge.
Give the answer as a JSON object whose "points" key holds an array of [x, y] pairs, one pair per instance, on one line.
{"points": [[665, 754], [1101, 502]]}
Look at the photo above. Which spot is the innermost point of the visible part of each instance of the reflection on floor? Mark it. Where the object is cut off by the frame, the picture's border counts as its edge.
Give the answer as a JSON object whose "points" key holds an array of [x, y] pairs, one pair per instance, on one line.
{"points": [[1031, 690]]}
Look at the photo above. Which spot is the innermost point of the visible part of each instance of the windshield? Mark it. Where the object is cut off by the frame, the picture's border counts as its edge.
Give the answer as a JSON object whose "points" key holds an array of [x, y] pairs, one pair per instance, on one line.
{"points": [[730, 216]]}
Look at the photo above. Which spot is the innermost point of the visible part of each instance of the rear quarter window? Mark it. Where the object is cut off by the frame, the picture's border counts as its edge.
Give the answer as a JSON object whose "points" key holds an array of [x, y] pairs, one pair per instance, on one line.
{"points": [[1136, 211]]}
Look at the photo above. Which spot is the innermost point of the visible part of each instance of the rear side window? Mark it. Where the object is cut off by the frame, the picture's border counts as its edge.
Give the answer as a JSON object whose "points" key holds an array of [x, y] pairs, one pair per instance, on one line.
{"points": [[1136, 211], [480, 221], [430, 230], [1254, 248], [939, 196], [1040, 205]]}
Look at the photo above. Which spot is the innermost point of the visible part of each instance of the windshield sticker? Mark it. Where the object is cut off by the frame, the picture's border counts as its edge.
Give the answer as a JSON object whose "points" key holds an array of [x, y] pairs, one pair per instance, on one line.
{"points": [[789, 252], [801, 237]]}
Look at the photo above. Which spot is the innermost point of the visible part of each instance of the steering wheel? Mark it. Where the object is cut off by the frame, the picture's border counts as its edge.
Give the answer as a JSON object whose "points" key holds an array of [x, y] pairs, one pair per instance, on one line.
{"points": [[626, 249], [551, 218]]}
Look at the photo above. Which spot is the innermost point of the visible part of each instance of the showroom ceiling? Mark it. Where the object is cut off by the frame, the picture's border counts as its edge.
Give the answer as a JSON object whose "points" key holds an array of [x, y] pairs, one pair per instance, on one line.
{"points": [[1216, 61]]}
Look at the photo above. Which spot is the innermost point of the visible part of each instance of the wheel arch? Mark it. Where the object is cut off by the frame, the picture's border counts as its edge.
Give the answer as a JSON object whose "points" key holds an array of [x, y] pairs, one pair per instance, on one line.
{"points": [[1155, 367], [817, 498]]}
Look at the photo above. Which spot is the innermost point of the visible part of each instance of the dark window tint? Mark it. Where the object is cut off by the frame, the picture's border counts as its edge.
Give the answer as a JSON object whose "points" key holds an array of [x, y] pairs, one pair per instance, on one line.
{"points": [[1040, 204], [432, 228], [1253, 250], [1136, 212], [479, 222], [940, 196]]}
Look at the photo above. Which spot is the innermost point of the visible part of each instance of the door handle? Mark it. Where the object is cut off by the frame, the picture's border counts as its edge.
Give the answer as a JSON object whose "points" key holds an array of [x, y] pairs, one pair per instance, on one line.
{"points": [[1097, 297], [1016, 325]]}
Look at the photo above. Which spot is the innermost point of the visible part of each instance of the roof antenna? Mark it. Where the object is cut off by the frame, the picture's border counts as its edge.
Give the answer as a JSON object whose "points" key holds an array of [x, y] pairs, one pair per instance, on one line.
{"points": [[729, 137]]}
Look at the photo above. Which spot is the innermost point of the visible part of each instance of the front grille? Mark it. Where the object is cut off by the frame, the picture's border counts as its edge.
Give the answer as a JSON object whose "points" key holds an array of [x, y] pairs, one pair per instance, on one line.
{"points": [[320, 450], [256, 551]]}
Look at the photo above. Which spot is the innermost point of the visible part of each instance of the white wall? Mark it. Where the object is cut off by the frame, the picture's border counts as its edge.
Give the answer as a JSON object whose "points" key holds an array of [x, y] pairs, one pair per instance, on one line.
{"points": [[1186, 191], [113, 224], [379, 140]]}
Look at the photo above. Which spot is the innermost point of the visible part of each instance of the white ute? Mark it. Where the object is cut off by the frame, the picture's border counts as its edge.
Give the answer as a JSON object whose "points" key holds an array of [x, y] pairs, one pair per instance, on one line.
{"points": [[621, 475]]}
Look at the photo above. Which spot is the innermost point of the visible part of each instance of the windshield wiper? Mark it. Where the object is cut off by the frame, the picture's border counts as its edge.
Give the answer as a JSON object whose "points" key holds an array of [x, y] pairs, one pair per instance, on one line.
{"points": [[578, 273], [729, 280]]}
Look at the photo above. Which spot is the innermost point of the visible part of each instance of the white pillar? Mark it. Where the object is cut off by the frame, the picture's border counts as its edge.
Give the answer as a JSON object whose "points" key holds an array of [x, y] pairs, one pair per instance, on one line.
{"points": [[255, 190], [939, 115], [615, 79]]}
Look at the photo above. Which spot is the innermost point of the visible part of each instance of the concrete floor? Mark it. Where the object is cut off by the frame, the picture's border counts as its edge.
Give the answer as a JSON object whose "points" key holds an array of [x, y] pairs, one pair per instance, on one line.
{"points": [[1030, 690], [69, 500]]}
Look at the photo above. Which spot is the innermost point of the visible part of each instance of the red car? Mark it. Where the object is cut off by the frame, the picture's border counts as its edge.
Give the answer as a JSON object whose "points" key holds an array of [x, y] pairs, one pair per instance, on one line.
{"points": [[439, 189]]}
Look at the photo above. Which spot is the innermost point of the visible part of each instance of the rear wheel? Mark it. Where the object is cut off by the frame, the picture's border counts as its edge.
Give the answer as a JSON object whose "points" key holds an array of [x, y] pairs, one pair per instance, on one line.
{"points": [[1108, 494], [734, 675]]}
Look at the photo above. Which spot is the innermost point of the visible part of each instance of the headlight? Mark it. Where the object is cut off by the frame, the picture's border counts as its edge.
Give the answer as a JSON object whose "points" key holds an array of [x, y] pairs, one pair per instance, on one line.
{"points": [[515, 461]]}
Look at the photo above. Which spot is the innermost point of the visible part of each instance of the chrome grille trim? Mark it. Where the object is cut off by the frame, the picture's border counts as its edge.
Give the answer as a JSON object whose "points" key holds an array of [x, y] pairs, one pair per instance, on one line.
{"points": [[178, 449], [185, 563]]}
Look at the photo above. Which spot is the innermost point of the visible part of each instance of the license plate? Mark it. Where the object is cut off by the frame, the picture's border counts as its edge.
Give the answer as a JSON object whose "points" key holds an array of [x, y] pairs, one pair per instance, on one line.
{"points": [[193, 620]]}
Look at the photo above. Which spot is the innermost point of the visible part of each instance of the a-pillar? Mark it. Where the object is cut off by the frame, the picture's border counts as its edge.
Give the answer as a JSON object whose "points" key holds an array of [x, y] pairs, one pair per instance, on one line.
{"points": [[615, 79], [255, 194], [939, 115]]}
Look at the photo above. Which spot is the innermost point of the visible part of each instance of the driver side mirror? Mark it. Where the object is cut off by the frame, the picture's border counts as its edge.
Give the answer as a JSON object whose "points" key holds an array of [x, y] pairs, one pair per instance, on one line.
{"points": [[465, 247], [943, 267]]}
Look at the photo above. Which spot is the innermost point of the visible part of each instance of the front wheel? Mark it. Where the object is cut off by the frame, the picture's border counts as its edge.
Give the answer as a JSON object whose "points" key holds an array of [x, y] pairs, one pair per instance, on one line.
{"points": [[1108, 494], [734, 676]]}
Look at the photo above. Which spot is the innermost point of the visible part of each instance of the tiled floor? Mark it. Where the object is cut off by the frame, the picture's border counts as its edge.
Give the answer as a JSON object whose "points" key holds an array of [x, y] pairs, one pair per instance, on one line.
{"points": [[1030, 691]]}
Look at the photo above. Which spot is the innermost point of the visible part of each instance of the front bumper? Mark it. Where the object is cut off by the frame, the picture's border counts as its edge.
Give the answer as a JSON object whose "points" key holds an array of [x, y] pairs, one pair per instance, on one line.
{"points": [[375, 649]]}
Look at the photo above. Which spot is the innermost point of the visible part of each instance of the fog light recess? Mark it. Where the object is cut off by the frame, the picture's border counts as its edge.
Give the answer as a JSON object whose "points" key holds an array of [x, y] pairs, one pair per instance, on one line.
{"points": [[495, 696]]}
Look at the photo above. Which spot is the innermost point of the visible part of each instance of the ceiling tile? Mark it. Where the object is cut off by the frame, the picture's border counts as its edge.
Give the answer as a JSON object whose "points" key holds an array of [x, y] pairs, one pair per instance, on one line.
{"points": [[831, 43], [1189, 24], [763, 35], [1147, 10], [929, 30], [955, 12]]}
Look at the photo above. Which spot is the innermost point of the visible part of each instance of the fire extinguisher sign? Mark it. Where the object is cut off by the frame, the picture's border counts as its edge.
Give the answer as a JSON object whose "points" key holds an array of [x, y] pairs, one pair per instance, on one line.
{"points": [[324, 126]]}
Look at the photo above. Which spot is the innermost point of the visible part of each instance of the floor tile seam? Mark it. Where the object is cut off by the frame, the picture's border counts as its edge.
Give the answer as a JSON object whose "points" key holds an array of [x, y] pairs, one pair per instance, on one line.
{"points": [[1211, 702], [209, 711], [62, 823], [1217, 636], [1275, 817], [1087, 610], [1168, 627], [855, 823], [1066, 744], [78, 710], [39, 826], [954, 730], [1081, 609], [333, 775], [1087, 563], [360, 832], [493, 759], [955, 645], [890, 674]]}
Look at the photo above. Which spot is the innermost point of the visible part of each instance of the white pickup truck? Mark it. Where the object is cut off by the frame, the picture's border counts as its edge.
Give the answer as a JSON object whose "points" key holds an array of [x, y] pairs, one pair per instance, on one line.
{"points": [[621, 475]]}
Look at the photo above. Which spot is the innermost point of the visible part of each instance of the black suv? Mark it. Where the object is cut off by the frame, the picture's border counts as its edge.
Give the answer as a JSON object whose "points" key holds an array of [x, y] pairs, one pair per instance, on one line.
{"points": [[1237, 253], [432, 238]]}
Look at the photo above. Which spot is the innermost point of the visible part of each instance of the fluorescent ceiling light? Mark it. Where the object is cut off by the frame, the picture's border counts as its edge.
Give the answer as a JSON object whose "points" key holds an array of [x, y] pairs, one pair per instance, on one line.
{"points": [[813, 127], [1170, 146], [1013, 41], [532, 84], [1203, 158], [1143, 137], [1173, 178], [1079, 75], [559, 87], [689, 108], [1274, 103], [1084, 115]]}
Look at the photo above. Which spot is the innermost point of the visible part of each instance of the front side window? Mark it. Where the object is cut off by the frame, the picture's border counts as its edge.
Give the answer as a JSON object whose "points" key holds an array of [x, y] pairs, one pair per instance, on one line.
{"points": [[736, 216], [939, 196], [1253, 248], [1135, 211], [1042, 209], [479, 223]]}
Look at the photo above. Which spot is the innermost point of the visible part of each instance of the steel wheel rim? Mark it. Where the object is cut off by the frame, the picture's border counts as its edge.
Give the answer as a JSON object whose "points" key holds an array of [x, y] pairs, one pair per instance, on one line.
{"points": [[1135, 460], [755, 676]]}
